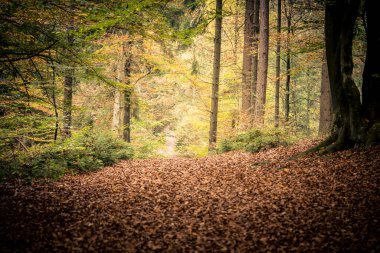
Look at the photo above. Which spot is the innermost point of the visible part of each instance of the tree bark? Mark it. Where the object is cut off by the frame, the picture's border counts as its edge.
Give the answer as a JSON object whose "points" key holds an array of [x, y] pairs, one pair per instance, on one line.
{"points": [[68, 92], [256, 31], [121, 121], [339, 27], [325, 108], [288, 66], [278, 66], [371, 74], [263, 62], [127, 92], [215, 78], [247, 64]]}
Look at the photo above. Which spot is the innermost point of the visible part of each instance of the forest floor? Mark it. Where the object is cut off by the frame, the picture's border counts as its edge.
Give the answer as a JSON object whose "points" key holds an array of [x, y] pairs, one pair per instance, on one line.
{"points": [[234, 202]]}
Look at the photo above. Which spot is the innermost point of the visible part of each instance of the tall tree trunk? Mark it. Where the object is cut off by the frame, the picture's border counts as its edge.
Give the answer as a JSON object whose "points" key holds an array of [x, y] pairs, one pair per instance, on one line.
{"points": [[68, 92], [121, 121], [325, 109], [256, 31], [263, 62], [236, 30], [288, 66], [127, 92], [278, 66], [371, 74], [215, 77], [247, 64], [339, 27]]}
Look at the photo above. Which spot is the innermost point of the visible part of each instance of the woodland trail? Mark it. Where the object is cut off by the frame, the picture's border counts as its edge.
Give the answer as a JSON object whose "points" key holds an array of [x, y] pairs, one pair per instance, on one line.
{"points": [[233, 202]]}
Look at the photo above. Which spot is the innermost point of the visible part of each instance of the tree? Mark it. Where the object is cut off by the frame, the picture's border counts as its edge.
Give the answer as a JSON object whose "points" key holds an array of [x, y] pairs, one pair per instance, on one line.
{"points": [[278, 66], [263, 62], [325, 109], [354, 122], [121, 120], [215, 76], [247, 73], [288, 15]]}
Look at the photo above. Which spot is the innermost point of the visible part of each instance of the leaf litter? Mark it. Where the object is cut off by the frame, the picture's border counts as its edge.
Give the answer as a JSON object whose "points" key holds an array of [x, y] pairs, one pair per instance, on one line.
{"points": [[233, 202]]}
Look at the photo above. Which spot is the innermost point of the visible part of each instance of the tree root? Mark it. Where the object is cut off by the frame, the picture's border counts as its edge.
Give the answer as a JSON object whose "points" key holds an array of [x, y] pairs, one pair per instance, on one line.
{"points": [[321, 147]]}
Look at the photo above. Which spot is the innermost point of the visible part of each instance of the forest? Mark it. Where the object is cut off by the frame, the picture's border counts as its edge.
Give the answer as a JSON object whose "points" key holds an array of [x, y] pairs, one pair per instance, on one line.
{"points": [[189, 126]]}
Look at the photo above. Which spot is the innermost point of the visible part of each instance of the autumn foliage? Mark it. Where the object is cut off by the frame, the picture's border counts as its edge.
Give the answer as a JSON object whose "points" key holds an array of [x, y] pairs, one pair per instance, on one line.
{"points": [[234, 202]]}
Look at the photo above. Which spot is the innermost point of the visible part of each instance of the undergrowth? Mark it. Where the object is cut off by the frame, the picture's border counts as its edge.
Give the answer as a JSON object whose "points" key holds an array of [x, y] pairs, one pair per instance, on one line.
{"points": [[256, 140], [85, 151]]}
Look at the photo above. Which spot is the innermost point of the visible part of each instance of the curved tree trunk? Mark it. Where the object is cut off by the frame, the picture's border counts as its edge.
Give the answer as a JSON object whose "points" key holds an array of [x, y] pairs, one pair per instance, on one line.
{"points": [[339, 27]]}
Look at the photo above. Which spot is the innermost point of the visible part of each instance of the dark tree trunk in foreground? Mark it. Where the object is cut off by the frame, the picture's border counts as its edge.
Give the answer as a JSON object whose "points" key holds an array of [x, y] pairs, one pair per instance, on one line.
{"points": [[278, 66], [246, 101], [325, 109], [354, 123], [263, 62], [215, 77], [371, 75]]}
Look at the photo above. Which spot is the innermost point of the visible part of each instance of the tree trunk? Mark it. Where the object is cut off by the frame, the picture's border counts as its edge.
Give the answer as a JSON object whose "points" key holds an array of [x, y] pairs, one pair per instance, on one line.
{"points": [[339, 27], [288, 66], [121, 120], [263, 62], [236, 30], [371, 75], [68, 94], [325, 109], [127, 92], [247, 64], [256, 31], [278, 66], [215, 78]]}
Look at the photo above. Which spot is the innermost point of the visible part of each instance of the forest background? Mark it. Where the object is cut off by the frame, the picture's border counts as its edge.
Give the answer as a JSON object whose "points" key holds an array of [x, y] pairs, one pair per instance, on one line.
{"points": [[84, 84]]}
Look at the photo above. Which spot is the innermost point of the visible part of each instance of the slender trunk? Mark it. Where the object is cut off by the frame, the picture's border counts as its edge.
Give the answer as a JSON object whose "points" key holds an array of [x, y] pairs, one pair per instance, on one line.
{"points": [[325, 109], [236, 30], [288, 66], [215, 79], [278, 66], [54, 100], [127, 92], [256, 31], [247, 64], [263, 62], [121, 121], [118, 108], [68, 102]]}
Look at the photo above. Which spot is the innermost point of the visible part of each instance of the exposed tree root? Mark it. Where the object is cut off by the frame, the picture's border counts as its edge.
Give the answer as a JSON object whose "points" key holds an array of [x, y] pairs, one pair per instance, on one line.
{"points": [[321, 147]]}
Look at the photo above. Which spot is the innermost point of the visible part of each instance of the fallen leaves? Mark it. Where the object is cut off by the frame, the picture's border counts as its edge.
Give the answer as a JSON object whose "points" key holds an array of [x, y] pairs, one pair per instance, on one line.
{"points": [[230, 202]]}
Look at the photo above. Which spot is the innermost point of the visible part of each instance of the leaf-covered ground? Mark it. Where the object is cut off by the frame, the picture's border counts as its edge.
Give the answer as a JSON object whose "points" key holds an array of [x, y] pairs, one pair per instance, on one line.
{"points": [[233, 202]]}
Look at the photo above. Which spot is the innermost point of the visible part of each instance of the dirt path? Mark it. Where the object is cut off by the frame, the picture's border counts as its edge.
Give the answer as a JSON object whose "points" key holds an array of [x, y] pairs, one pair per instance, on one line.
{"points": [[231, 202]]}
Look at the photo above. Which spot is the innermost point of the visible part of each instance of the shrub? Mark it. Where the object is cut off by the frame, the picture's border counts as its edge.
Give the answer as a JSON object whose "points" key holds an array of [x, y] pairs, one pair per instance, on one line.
{"points": [[255, 140], [85, 151]]}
